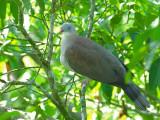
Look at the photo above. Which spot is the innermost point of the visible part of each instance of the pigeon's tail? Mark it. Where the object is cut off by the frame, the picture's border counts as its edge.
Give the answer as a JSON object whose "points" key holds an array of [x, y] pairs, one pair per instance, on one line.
{"points": [[135, 95]]}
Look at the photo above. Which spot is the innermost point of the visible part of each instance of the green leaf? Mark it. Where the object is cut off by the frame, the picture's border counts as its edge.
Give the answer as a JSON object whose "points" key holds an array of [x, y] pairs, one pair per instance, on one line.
{"points": [[153, 47], [3, 58], [113, 1], [147, 117], [116, 20], [9, 115], [38, 30], [154, 76], [83, 11], [41, 5], [133, 33], [138, 42], [4, 44], [27, 4], [41, 112], [139, 50], [155, 33], [39, 79], [3, 6], [30, 108], [139, 20], [106, 91], [49, 110], [16, 63], [14, 9]]}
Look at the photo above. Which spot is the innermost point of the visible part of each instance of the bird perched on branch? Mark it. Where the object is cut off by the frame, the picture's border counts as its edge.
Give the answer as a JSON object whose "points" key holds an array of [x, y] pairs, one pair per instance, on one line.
{"points": [[88, 58]]}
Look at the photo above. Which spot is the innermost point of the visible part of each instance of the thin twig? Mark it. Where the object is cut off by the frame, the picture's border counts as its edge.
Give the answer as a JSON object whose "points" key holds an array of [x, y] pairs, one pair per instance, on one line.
{"points": [[50, 48], [3, 81], [10, 90], [113, 102], [7, 27], [44, 21], [24, 39], [18, 69], [84, 83], [135, 110], [91, 16], [69, 88], [55, 98], [50, 38], [83, 100]]}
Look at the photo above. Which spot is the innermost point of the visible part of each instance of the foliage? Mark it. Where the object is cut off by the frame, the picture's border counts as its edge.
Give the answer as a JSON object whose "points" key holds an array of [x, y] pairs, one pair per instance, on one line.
{"points": [[129, 29]]}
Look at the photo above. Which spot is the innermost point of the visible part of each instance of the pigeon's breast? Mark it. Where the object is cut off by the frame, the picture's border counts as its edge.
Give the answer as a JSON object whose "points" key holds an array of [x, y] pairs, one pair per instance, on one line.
{"points": [[67, 41]]}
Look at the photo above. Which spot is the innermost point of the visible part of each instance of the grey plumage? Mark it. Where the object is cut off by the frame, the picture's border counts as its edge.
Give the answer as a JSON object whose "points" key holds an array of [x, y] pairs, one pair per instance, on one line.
{"points": [[92, 60]]}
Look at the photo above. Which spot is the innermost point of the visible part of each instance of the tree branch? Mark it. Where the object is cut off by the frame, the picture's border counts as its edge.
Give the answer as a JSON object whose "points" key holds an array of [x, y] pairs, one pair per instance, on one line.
{"points": [[54, 97], [113, 102], [91, 16], [84, 83], [50, 42], [18, 69], [83, 100], [6, 27]]}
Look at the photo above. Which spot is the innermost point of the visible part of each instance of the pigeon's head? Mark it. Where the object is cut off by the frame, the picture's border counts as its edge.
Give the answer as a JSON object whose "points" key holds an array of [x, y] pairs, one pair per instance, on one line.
{"points": [[67, 27]]}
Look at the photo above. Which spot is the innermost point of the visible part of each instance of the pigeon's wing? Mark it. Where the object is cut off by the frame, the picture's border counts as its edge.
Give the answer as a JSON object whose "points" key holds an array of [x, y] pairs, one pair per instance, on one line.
{"points": [[90, 63]]}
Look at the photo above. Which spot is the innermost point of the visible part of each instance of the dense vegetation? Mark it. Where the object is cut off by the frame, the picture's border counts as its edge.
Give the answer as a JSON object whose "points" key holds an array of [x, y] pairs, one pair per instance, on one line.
{"points": [[34, 84]]}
